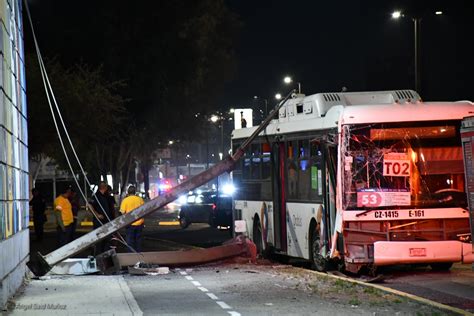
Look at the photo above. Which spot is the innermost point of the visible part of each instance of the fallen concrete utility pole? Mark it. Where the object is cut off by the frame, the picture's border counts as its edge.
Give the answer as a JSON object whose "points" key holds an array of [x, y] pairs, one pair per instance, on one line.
{"points": [[40, 265], [235, 247]]}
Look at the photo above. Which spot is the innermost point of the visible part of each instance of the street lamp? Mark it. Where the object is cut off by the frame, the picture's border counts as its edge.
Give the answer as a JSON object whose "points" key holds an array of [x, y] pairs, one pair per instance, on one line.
{"points": [[214, 118], [289, 80], [278, 96], [396, 14], [416, 29]]}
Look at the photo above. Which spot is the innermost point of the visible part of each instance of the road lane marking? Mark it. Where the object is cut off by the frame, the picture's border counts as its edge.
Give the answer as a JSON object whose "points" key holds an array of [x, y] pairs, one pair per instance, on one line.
{"points": [[212, 296], [223, 305]]}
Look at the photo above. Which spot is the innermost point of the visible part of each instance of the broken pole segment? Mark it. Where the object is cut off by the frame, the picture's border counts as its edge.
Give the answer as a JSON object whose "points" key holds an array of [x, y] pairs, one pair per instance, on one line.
{"points": [[235, 247], [40, 265]]}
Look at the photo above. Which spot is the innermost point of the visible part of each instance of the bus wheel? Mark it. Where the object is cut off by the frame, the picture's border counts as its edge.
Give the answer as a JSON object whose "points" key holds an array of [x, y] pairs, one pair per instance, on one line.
{"points": [[258, 236], [318, 262], [441, 266]]}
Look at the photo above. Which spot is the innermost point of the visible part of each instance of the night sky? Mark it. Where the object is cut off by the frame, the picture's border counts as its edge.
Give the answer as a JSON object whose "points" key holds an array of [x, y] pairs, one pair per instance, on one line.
{"points": [[325, 45]]}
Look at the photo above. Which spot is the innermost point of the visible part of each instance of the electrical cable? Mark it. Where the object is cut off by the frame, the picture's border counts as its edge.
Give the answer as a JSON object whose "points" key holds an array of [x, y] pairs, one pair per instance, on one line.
{"points": [[49, 91]]}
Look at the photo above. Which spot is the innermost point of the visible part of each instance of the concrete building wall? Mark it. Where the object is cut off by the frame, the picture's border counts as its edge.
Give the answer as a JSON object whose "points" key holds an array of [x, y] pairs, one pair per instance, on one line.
{"points": [[14, 182]]}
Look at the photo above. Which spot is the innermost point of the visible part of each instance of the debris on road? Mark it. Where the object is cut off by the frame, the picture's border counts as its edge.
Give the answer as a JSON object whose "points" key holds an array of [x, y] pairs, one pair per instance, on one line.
{"points": [[239, 246], [76, 266], [141, 268]]}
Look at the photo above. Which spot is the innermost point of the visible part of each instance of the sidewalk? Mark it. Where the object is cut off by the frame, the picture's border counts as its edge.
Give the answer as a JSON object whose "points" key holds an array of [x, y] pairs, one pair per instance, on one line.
{"points": [[72, 295]]}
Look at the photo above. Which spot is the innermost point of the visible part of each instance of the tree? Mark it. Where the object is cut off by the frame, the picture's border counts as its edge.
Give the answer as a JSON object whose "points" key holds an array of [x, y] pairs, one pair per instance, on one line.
{"points": [[173, 56], [93, 113]]}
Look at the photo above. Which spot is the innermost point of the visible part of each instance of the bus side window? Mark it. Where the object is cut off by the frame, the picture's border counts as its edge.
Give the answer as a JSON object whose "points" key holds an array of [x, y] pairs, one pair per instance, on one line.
{"points": [[256, 161], [246, 164], [292, 169], [304, 172], [266, 161], [316, 173]]}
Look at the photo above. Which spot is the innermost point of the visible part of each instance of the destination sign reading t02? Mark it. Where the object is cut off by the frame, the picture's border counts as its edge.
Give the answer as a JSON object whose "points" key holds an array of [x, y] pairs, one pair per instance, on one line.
{"points": [[396, 165]]}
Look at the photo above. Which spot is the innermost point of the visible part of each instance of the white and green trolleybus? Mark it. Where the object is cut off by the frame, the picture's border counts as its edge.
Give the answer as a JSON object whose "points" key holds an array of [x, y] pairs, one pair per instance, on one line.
{"points": [[362, 178]]}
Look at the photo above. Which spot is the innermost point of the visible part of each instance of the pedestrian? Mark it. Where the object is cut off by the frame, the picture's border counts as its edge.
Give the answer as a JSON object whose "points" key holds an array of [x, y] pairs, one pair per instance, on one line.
{"points": [[103, 214], [134, 231], [64, 217], [243, 121], [38, 205], [75, 204], [110, 196]]}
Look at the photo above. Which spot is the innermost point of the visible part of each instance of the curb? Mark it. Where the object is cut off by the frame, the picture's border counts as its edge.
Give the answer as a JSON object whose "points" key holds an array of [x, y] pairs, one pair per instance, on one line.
{"points": [[395, 292]]}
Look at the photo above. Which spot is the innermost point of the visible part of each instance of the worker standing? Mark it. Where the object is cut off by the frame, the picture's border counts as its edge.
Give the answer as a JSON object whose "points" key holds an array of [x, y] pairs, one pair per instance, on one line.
{"points": [[38, 205], [64, 217], [134, 231]]}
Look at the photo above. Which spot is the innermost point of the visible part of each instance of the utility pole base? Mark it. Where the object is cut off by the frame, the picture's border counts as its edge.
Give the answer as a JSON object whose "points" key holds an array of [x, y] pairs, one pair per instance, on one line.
{"points": [[38, 264]]}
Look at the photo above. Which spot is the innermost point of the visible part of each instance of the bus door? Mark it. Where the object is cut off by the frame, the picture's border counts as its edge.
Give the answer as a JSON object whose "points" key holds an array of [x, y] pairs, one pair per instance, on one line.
{"points": [[329, 153], [278, 189], [330, 192]]}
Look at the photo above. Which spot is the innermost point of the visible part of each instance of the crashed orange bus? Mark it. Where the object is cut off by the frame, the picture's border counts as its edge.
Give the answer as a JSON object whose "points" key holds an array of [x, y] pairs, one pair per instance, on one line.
{"points": [[366, 179]]}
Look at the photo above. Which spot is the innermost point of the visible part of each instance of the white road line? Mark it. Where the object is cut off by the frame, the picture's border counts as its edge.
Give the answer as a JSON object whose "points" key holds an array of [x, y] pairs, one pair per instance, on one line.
{"points": [[212, 296], [223, 305]]}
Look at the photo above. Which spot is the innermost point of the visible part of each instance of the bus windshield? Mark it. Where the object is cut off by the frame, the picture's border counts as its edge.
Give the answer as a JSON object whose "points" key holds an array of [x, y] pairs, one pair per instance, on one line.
{"points": [[402, 165]]}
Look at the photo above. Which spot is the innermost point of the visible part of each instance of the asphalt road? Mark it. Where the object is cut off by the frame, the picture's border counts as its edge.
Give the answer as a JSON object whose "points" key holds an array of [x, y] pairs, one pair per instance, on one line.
{"points": [[258, 293], [453, 288], [223, 289]]}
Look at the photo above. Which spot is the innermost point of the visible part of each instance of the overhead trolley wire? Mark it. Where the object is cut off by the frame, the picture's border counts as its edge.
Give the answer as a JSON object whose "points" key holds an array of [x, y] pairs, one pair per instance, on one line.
{"points": [[50, 94]]}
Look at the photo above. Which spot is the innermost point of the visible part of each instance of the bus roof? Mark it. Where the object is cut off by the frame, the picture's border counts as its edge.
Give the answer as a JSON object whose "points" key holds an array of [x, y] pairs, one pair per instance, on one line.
{"points": [[328, 110]]}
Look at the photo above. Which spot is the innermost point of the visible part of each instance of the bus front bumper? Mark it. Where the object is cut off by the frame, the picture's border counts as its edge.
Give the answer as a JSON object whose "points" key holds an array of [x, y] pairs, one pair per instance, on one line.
{"points": [[407, 252]]}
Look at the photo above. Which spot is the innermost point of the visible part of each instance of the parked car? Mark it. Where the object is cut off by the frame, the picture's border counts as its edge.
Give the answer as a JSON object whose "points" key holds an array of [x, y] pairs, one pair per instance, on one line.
{"points": [[206, 207]]}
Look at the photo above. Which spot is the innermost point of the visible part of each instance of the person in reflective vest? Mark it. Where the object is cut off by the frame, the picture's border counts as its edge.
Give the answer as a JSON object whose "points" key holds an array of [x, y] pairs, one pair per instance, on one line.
{"points": [[134, 231]]}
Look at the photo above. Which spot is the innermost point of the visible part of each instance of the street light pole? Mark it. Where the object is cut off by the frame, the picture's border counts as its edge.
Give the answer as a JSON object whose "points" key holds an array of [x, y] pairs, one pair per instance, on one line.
{"points": [[416, 25], [289, 80], [222, 136], [417, 31]]}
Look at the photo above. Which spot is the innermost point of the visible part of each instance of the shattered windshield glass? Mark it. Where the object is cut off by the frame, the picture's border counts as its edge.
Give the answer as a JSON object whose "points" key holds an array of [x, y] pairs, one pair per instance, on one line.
{"points": [[403, 165]]}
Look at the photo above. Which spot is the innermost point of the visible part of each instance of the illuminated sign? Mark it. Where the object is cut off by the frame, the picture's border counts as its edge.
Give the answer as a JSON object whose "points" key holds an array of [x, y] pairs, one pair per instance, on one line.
{"points": [[396, 165]]}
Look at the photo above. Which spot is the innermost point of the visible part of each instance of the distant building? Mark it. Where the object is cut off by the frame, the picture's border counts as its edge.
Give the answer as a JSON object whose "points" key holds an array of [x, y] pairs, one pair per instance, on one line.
{"points": [[14, 186]]}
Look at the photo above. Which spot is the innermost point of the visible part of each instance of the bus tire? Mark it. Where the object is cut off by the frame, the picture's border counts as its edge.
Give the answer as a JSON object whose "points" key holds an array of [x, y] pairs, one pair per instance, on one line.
{"points": [[441, 266], [258, 236], [318, 262]]}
